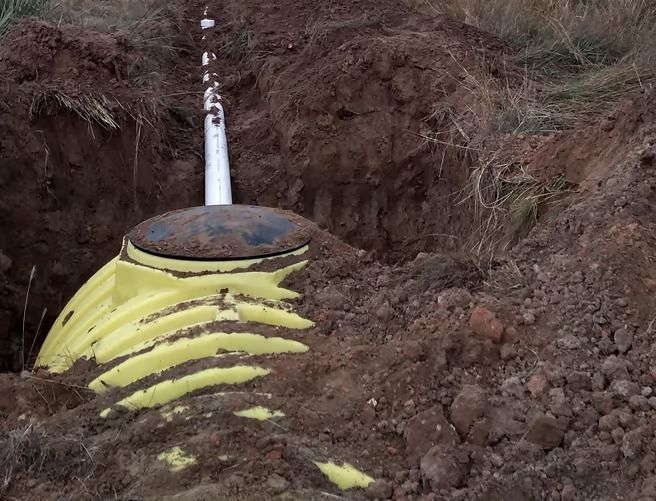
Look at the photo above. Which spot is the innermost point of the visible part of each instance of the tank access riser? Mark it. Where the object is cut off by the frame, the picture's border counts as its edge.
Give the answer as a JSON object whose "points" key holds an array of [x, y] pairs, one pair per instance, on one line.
{"points": [[193, 303]]}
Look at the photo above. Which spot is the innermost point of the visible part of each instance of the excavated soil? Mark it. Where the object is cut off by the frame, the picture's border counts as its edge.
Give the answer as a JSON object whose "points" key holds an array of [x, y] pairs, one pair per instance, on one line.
{"points": [[529, 379]]}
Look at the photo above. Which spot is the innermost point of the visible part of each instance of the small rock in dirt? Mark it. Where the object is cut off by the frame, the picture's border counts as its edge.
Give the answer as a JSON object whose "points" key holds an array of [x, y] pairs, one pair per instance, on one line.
{"points": [[559, 406], [331, 299], [632, 443], [638, 403], [568, 493], [649, 487], [277, 484], [469, 406], [569, 342], [380, 489], [646, 391], [537, 385], [486, 324], [598, 381], [608, 422], [614, 368], [622, 302], [647, 156], [479, 433], [5, 263], [400, 476], [428, 429], [85, 234], [546, 431], [625, 388], [625, 417], [578, 381], [503, 424], [610, 452], [623, 340], [496, 460], [513, 387], [605, 345], [452, 298], [652, 402], [507, 352], [444, 468], [617, 434], [510, 335], [528, 317], [602, 402], [555, 374]]}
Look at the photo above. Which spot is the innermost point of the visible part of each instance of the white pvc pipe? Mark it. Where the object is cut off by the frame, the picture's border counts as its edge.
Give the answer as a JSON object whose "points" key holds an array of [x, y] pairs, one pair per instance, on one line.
{"points": [[217, 166]]}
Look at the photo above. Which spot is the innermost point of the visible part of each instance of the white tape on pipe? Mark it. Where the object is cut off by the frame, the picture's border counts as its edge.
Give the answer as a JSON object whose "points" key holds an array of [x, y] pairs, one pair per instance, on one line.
{"points": [[218, 190]]}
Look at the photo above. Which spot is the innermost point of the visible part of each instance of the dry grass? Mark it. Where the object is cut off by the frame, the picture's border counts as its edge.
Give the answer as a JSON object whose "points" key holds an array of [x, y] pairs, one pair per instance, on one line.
{"points": [[507, 202], [23, 450], [238, 43], [139, 20], [580, 31], [587, 53], [578, 58], [13, 10], [148, 26], [32, 451], [92, 109]]}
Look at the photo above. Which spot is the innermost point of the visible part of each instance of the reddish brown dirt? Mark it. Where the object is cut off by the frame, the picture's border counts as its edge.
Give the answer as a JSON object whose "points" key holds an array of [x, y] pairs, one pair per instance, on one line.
{"points": [[346, 113], [71, 188], [530, 380]]}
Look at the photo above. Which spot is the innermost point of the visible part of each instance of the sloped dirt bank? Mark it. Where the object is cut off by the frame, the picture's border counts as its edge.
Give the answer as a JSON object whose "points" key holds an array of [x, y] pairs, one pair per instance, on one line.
{"points": [[356, 117], [85, 155]]}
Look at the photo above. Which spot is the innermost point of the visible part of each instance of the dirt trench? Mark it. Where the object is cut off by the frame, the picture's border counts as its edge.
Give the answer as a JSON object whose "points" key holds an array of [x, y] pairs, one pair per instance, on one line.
{"points": [[342, 116], [84, 157]]}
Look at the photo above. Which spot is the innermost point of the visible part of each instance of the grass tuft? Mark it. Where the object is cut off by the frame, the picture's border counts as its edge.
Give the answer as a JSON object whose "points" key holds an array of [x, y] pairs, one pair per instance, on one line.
{"points": [[13, 10], [91, 108], [238, 43], [589, 94], [588, 54], [23, 450], [507, 202], [32, 451]]}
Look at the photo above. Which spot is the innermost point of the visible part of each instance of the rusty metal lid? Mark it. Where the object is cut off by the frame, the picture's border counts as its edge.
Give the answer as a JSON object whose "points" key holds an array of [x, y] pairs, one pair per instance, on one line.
{"points": [[221, 232]]}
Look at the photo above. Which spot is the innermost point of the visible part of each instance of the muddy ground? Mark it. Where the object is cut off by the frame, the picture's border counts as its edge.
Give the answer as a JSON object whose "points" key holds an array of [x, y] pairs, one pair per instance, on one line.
{"points": [[442, 374]]}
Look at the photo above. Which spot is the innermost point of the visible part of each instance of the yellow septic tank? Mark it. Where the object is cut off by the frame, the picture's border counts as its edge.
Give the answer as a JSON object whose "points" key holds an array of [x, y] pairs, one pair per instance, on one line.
{"points": [[196, 284]]}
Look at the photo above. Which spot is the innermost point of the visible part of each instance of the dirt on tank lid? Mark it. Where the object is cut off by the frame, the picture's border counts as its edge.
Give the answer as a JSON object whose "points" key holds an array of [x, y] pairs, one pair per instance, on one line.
{"points": [[221, 232]]}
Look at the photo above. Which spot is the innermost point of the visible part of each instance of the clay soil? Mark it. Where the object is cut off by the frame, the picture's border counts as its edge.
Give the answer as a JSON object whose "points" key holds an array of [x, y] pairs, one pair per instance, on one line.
{"points": [[529, 376]]}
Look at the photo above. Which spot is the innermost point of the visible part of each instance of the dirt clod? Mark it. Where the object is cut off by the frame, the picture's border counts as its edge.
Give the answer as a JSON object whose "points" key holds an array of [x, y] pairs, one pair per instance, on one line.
{"points": [[614, 368], [468, 407], [444, 467], [277, 484], [547, 432], [426, 430], [486, 324], [380, 489], [623, 340], [537, 385], [5, 263]]}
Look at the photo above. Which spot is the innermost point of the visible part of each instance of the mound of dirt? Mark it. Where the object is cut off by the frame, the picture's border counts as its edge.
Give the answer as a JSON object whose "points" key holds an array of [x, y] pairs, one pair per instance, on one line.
{"points": [[351, 118]]}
